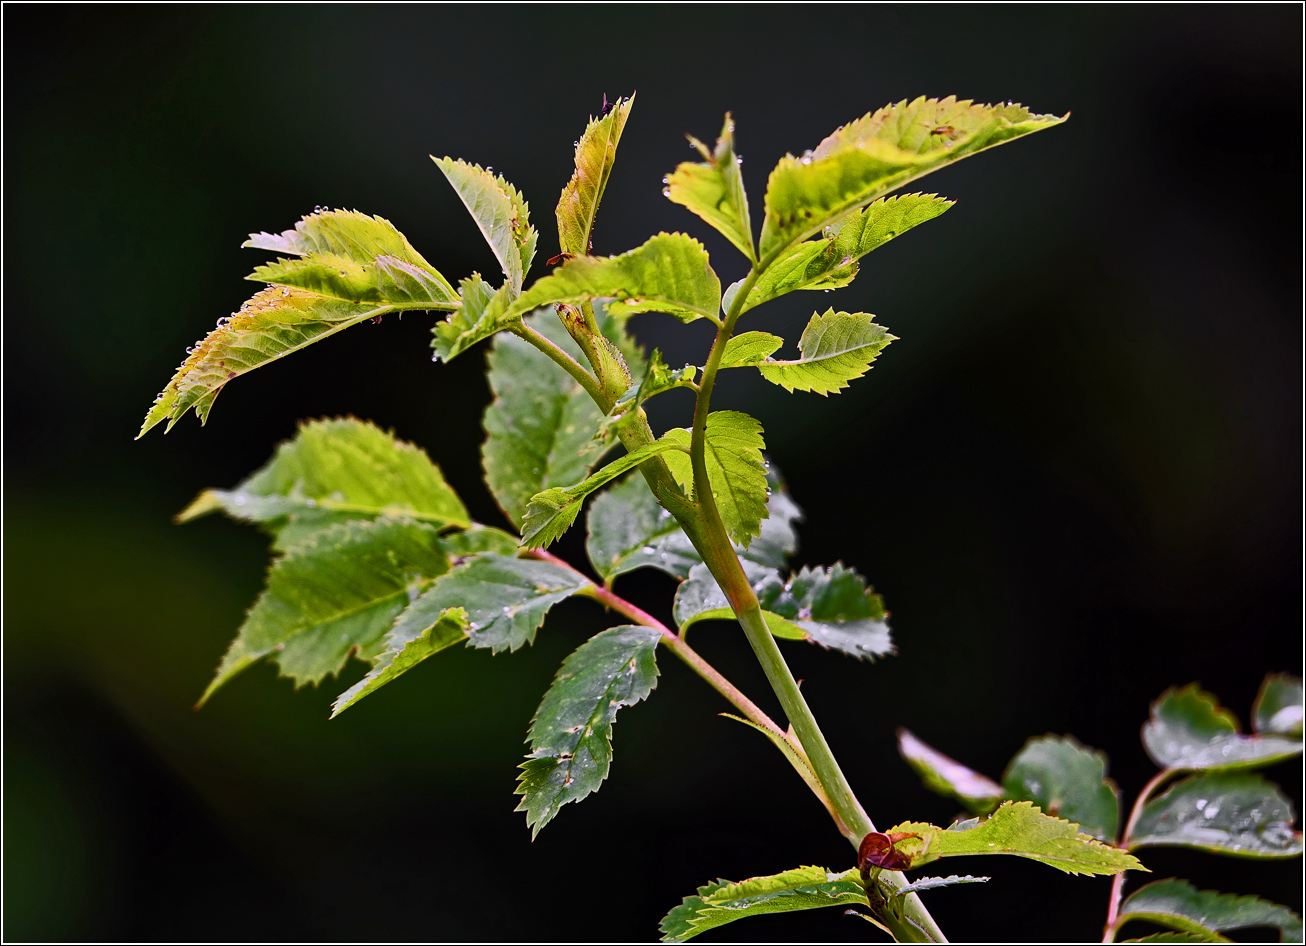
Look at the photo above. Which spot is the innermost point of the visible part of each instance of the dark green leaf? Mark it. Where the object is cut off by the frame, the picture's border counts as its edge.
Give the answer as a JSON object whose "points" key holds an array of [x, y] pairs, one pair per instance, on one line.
{"points": [[1188, 729], [1067, 780], [669, 273], [335, 470], [571, 734], [715, 190], [505, 598], [596, 152], [499, 211], [735, 470], [1236, 813], [335, 595], [1181, 906], [449, 628], [947, 777], [722, 902], [1278, 706], [836, 348], [700, 598], [541, 423], [877, 154], [831, 262], [551, 513], [832, 607], [1172, 937], [629, 530], [1017, 828]]}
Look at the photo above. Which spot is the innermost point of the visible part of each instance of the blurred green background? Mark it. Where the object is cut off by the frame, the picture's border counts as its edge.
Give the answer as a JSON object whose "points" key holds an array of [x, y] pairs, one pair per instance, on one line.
{"points": [[1076, 479]]}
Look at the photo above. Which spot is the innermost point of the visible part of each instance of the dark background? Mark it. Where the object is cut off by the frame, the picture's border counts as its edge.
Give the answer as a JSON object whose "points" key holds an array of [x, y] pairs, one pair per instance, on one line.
{"points": [[1076, 479]]}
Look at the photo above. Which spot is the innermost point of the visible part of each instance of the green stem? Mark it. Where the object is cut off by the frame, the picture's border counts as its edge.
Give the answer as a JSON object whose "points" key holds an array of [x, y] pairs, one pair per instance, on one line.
{"points": [[1126, 836], [564, 361]]}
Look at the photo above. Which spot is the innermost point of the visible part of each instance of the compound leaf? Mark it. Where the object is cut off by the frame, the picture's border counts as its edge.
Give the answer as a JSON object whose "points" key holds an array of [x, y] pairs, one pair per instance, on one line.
{"points": [[832, 607], [879, 153], [715, 190], [550, 513], [449, 628], [499, 211], [945, 776], [1278, 706], [831, 262], [541, 423], [1182, 907], [1237, 813], [334, 595], [1017, 828], [1068, 780], [1188, 729], [335, 470], [669, 273], [736, 471], [836, 348], [722, 902], [571, 734], [596, 152], [506, 600]]}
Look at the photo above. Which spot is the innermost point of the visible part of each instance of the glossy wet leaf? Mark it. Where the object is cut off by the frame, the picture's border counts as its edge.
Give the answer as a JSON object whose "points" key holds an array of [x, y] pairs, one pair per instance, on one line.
{"points": [[1182, 907], [714, 189], [722, 902], [1017, 828], [879, 153], [1068, 780], [540, 426], [332, 471], [1188, 729], [700, 598], [948, 777], [1237, 813], [506, 600], [551, 512], [831, 261], [596, 152], [500, 212], [669, 273], [836, 348], [571, 734], [736, 471], [1278, 706], [832, 607], [334, 595], [449, 628]]}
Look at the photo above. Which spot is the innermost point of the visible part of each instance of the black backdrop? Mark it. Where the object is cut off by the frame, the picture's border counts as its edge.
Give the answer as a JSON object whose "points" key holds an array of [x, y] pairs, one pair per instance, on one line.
{"points": [[1076, 479]]}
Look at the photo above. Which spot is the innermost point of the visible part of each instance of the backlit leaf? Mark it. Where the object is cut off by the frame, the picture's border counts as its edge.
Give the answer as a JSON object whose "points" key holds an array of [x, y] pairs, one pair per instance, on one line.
{"points": [[596, 151], [879, 153], [836, 348], [1017, 828], [831, 262], [735, 470], [334, 595], [722, 902], [715, 190], [505, 598], [1182, 907], [749, 349], [551, 512], [571, 734], [541, 423], [669, 273], [479, 315], [1236, 813], [1278, 706], [1188, 729], [335, 470], [449, 628], [499, 211], [1067, 780], [947, 777]]}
